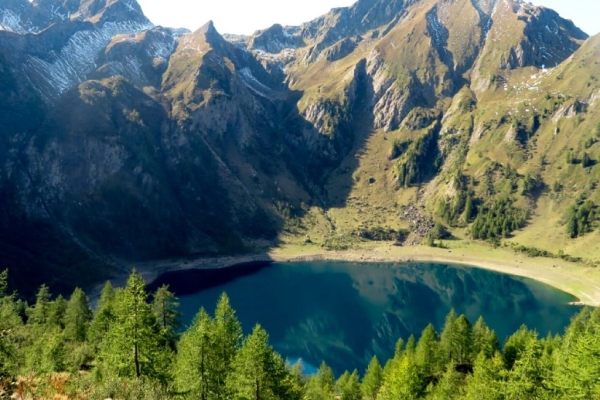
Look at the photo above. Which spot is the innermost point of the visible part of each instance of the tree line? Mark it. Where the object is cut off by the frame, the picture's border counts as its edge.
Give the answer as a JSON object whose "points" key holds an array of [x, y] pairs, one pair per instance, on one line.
{"points": [[130, 347]]}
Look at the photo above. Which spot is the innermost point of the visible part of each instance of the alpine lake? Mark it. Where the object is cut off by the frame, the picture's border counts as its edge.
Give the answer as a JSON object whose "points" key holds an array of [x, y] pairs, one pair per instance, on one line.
{"points": [[344, 312]]}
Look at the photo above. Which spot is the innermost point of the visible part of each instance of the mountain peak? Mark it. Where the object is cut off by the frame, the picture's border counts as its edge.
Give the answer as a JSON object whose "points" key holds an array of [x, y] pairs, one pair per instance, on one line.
{"points": [[208, 28], [212, 36]]}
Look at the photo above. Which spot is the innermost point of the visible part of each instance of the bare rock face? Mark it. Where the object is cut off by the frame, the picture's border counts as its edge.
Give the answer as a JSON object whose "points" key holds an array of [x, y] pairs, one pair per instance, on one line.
{"points": [[275, 39], [341, 49], [68, 38], [140, 57]]}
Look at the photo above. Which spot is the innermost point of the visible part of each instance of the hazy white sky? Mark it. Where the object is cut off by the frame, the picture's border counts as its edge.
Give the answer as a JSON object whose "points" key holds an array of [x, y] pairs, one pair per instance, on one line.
{"points": [[247, 16]]}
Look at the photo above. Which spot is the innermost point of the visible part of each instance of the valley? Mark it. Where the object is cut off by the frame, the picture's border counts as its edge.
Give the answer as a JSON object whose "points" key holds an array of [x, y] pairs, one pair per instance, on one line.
{"points": [[129, 142], [365, 186]]}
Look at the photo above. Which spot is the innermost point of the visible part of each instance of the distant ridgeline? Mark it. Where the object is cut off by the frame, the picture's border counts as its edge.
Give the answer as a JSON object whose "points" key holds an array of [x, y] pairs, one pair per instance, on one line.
{"points": [[129, 348]]}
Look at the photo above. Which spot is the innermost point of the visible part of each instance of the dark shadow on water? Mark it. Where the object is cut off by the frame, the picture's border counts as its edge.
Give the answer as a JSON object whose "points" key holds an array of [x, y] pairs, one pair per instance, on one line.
{"points": [[186, 282]]}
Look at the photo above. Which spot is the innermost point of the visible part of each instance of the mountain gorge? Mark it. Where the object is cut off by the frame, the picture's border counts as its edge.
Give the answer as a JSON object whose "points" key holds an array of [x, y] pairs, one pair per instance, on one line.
{"points": [[123, 141]]}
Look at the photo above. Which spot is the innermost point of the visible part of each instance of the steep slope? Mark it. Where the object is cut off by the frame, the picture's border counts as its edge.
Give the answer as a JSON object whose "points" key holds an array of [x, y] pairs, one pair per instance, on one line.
{"points": [[59, 50]]}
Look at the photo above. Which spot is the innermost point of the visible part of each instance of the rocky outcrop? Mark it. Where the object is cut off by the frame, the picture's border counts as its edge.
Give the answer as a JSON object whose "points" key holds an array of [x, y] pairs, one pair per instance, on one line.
{"points": [[140, 57], [341, 49], [275, 39]]}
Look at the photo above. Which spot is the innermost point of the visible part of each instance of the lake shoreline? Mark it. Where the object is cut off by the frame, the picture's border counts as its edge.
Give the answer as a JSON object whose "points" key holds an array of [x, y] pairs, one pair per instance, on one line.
{"points": [[580, 281]]}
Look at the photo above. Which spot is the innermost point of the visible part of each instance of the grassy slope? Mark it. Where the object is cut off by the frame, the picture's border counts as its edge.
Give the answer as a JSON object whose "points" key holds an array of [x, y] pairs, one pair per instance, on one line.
{"points": [[364, 189]]}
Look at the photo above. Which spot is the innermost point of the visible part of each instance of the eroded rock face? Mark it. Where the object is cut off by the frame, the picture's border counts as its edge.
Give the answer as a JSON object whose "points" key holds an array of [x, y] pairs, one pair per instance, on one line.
{"points": [[275, 39]]}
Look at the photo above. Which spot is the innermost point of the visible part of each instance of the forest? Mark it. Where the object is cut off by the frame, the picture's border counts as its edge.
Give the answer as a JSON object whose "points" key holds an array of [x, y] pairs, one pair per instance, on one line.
{"points": [[132, 346]]}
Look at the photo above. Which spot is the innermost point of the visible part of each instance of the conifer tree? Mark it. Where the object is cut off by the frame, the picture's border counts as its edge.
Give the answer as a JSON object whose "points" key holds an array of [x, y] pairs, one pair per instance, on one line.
{"points": [[192, 362], [164, 306], [484, 340], [372, 380], [469, 209], [11, 326], [132, 346], [403, 381], [321, 386], [516, 344], [426, 353], [254, 369], [349, 386], [77, 316], [3, 283], [104, 316], [56, 312], [296, 380], [39, 313], [448, 386], [526, 378], [226, 338], [487, 380], [577, 370]]}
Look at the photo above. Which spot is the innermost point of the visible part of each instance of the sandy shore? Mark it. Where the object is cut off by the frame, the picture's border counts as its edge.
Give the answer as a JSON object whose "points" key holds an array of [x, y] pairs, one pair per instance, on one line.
{"points": [[580, 281]]}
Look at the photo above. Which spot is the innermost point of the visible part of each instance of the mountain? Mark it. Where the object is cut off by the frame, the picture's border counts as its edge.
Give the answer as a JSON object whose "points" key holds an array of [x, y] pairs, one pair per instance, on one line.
{"points": [[123, 141]]}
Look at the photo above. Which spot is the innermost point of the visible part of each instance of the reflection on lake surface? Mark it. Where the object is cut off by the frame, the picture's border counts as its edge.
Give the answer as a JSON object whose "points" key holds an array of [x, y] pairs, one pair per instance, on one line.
{"points": [[344, 312]]}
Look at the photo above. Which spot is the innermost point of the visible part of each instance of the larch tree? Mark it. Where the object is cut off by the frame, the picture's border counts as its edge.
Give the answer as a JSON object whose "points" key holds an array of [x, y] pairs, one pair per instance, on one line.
{"points": [[349, 387], [251, 376], [372, 380], [403, 381], [526, 378], [11, 331], [133, 343], [484, 340], [487, 380], [448, 386], [77, 316], [456, 339], [56, 312], [104, 316], [226, 339], [192, 362], [165, 307], [321, 386], [427, 353], [39, 313]]}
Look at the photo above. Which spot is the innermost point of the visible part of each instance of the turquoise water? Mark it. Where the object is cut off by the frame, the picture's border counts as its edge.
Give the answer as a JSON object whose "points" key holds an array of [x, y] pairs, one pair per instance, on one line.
{"points": [[344, 312]]}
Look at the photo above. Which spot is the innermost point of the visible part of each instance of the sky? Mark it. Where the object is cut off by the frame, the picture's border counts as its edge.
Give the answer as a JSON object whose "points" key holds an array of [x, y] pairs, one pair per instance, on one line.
{"points": [[247, 16]]}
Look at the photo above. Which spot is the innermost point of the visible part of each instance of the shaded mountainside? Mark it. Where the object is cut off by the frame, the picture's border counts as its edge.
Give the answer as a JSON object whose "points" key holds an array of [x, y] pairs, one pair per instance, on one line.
{"points": [[124, 141]]}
